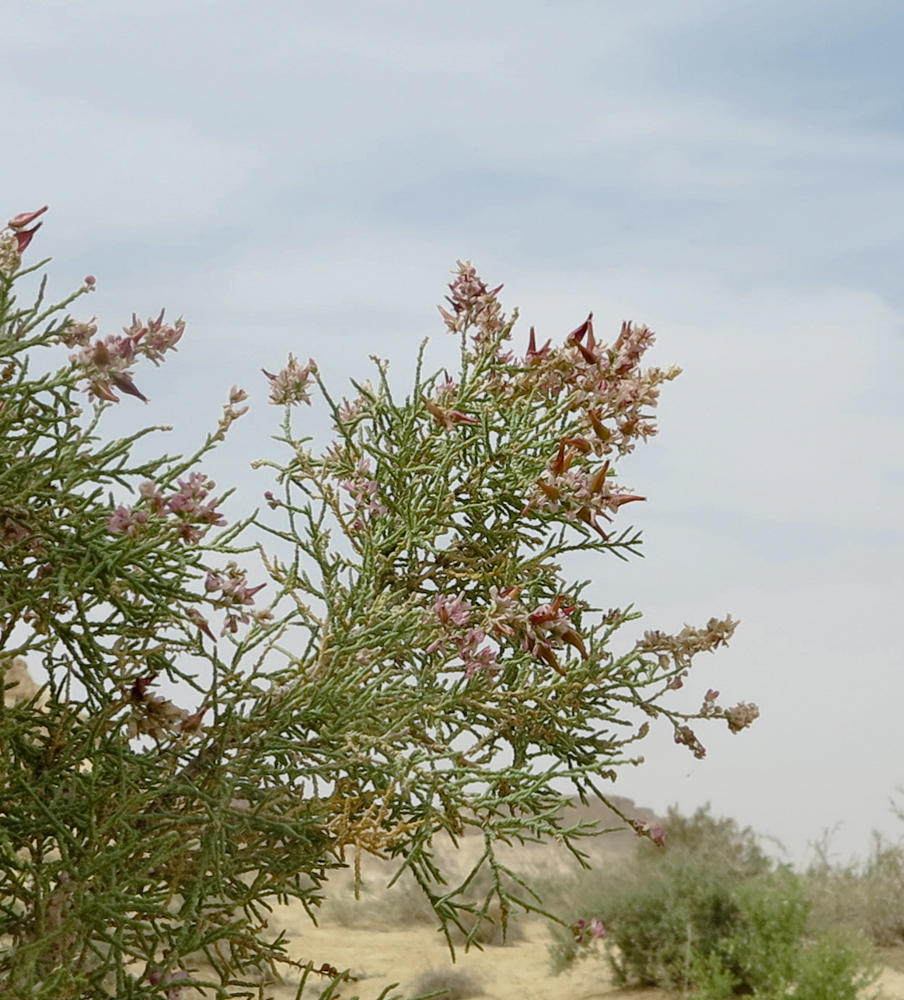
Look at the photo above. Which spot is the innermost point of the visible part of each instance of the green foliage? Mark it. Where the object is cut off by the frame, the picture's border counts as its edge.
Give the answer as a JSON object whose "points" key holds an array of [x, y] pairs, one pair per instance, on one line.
{"points": [[422, 666], [710, 915]]}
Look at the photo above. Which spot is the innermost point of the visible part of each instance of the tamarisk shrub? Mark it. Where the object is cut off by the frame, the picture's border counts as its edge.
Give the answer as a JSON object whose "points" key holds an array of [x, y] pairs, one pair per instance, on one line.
{"points": [[421, 668]]}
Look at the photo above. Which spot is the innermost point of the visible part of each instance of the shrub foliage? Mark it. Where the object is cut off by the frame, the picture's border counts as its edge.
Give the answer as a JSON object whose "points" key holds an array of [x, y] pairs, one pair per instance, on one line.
{"points": [[713, 917], [417, 665]]}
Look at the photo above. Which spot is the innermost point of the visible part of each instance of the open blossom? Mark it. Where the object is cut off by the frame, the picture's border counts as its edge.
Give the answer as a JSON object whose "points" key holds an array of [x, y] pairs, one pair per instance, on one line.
{"points": [[508, 617], [656, 833], [476, 657], [125, 520], [548, 628], [452, 610], [581, 494], [106, 364], [234, 594], [78, 334], [188, 508], [153, 338], [292, 384], [585, 931], [454, 614], [604, 384], [651, 830], [364, 491], [148, 490], [190, 515], [233, 586]]}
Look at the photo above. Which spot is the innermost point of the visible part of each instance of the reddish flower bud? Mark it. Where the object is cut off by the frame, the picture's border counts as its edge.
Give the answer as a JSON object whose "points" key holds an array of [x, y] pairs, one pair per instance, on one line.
{"points": [[123, 382], [578, 334], [193, 723], [103, 392], [23, 218], [24, 236], [533, 353], [140, 687]]}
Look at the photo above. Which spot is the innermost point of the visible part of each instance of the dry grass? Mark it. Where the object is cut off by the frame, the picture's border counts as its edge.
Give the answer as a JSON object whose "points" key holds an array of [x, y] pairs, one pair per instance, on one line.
{"points": [[453, 984]]}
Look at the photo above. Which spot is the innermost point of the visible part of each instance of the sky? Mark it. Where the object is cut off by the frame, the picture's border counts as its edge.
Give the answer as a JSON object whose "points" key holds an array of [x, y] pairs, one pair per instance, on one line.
{"points": [[292, 176]]}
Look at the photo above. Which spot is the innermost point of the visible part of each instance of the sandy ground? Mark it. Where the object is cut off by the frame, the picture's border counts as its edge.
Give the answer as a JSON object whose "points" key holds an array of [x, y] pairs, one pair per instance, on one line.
{"points": [[351, 936], [518, 971], [408, 957]]}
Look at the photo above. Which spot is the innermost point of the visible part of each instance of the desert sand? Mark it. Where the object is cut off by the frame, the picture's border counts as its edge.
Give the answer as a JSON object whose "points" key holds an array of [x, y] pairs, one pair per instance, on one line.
{"points": [[515, 971]]}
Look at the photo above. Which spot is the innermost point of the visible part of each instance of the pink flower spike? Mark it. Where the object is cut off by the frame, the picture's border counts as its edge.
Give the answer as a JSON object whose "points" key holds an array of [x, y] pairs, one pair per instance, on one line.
{"points": [[24, 236], [90, 280], [23, 218]]}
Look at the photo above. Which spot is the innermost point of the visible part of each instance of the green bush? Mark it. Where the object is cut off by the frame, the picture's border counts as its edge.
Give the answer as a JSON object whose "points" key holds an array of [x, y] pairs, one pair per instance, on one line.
{"points": [[710, 914]]}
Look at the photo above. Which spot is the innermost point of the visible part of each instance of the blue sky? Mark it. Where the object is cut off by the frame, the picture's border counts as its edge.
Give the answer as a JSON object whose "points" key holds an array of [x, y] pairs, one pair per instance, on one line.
{"points": [[299, 176]]}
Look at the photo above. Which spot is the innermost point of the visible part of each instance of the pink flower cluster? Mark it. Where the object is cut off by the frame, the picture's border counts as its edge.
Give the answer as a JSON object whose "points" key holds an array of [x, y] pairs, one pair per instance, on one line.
{"points": [[581, 493], [234, 595], [604, 383], [185, 509], [292, 384], [107, 363], [473, 305], [363, 489], [539, 632], [650, 830], [586, 932], [454, 614]]}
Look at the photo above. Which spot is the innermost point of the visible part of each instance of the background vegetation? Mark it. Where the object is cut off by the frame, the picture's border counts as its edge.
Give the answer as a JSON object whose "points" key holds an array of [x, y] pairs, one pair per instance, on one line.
{"points": [[713, 915]]}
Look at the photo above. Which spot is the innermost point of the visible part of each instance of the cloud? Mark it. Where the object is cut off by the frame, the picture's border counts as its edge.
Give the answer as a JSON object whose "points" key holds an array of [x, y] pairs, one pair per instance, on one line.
{"points": [[153, 175]]}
